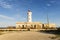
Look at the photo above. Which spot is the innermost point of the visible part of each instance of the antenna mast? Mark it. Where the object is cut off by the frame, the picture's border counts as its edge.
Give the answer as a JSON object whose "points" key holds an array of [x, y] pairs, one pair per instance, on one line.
{"points": [[47, 21]]}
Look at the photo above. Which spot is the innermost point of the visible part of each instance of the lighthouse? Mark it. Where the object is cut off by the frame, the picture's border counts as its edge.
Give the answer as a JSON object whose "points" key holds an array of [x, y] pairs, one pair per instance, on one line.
{"points": [[29, 16]]}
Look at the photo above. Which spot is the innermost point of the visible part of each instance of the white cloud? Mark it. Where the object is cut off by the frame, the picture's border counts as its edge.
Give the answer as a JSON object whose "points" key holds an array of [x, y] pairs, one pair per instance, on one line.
{"points": [[6, 17], [52, 1], [4, 24], [5, 4], [48, 4]]}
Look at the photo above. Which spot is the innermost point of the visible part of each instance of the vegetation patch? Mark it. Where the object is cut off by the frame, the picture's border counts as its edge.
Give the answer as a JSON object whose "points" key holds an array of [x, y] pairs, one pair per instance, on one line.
{"points": [[52, 37]]}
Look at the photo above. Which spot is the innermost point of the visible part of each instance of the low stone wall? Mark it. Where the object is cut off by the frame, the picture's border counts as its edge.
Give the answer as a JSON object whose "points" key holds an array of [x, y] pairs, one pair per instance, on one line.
{"points": [[24, 29]]}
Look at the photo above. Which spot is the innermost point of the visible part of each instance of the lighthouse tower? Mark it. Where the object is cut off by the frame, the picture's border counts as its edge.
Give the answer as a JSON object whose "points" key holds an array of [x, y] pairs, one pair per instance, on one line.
{"points": [[29, 17]]}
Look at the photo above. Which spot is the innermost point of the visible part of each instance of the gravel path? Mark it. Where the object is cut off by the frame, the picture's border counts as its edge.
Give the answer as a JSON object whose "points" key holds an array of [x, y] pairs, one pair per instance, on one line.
{"points": [[25, 36]]}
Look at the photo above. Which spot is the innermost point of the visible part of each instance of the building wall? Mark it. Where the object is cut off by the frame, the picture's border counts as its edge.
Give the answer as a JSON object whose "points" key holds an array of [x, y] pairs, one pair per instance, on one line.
{"points": [[50, 25], [32, 25]]}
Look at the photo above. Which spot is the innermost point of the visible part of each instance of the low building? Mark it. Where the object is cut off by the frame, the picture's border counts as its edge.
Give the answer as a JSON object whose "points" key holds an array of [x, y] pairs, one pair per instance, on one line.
{"points": [[50, 25], [32, 25]]}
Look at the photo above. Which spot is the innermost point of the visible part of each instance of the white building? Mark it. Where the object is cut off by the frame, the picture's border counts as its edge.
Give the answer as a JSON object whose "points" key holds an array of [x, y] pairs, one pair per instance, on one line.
{"points": [[29, 23], [29, 18]]}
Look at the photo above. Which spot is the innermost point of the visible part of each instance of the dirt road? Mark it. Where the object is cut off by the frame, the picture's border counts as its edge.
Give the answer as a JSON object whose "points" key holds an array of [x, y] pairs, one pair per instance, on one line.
{"points": [[25, 36]]}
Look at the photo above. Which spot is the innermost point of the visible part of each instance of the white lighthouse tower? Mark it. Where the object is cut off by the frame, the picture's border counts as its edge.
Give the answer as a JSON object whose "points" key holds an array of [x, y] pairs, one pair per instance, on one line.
{"points": [[29, 17]]}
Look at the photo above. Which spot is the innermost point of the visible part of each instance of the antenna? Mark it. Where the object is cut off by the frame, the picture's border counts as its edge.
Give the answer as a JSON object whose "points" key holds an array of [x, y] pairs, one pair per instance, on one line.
{"points": [[47, 21]]}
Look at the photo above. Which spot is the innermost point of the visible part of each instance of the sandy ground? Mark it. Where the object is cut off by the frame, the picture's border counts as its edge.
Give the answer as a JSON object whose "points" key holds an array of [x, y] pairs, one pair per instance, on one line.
{"points": [[25, 36]]}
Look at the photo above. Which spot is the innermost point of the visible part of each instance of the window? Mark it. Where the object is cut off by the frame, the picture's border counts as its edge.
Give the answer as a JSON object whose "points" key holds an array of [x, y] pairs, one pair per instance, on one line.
{"points": [[31, 27], [34, 26], [22, 26]]}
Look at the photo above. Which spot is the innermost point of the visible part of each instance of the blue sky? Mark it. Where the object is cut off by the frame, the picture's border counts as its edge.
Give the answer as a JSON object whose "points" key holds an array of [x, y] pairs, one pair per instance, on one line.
{"points": [[12, 11]]}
